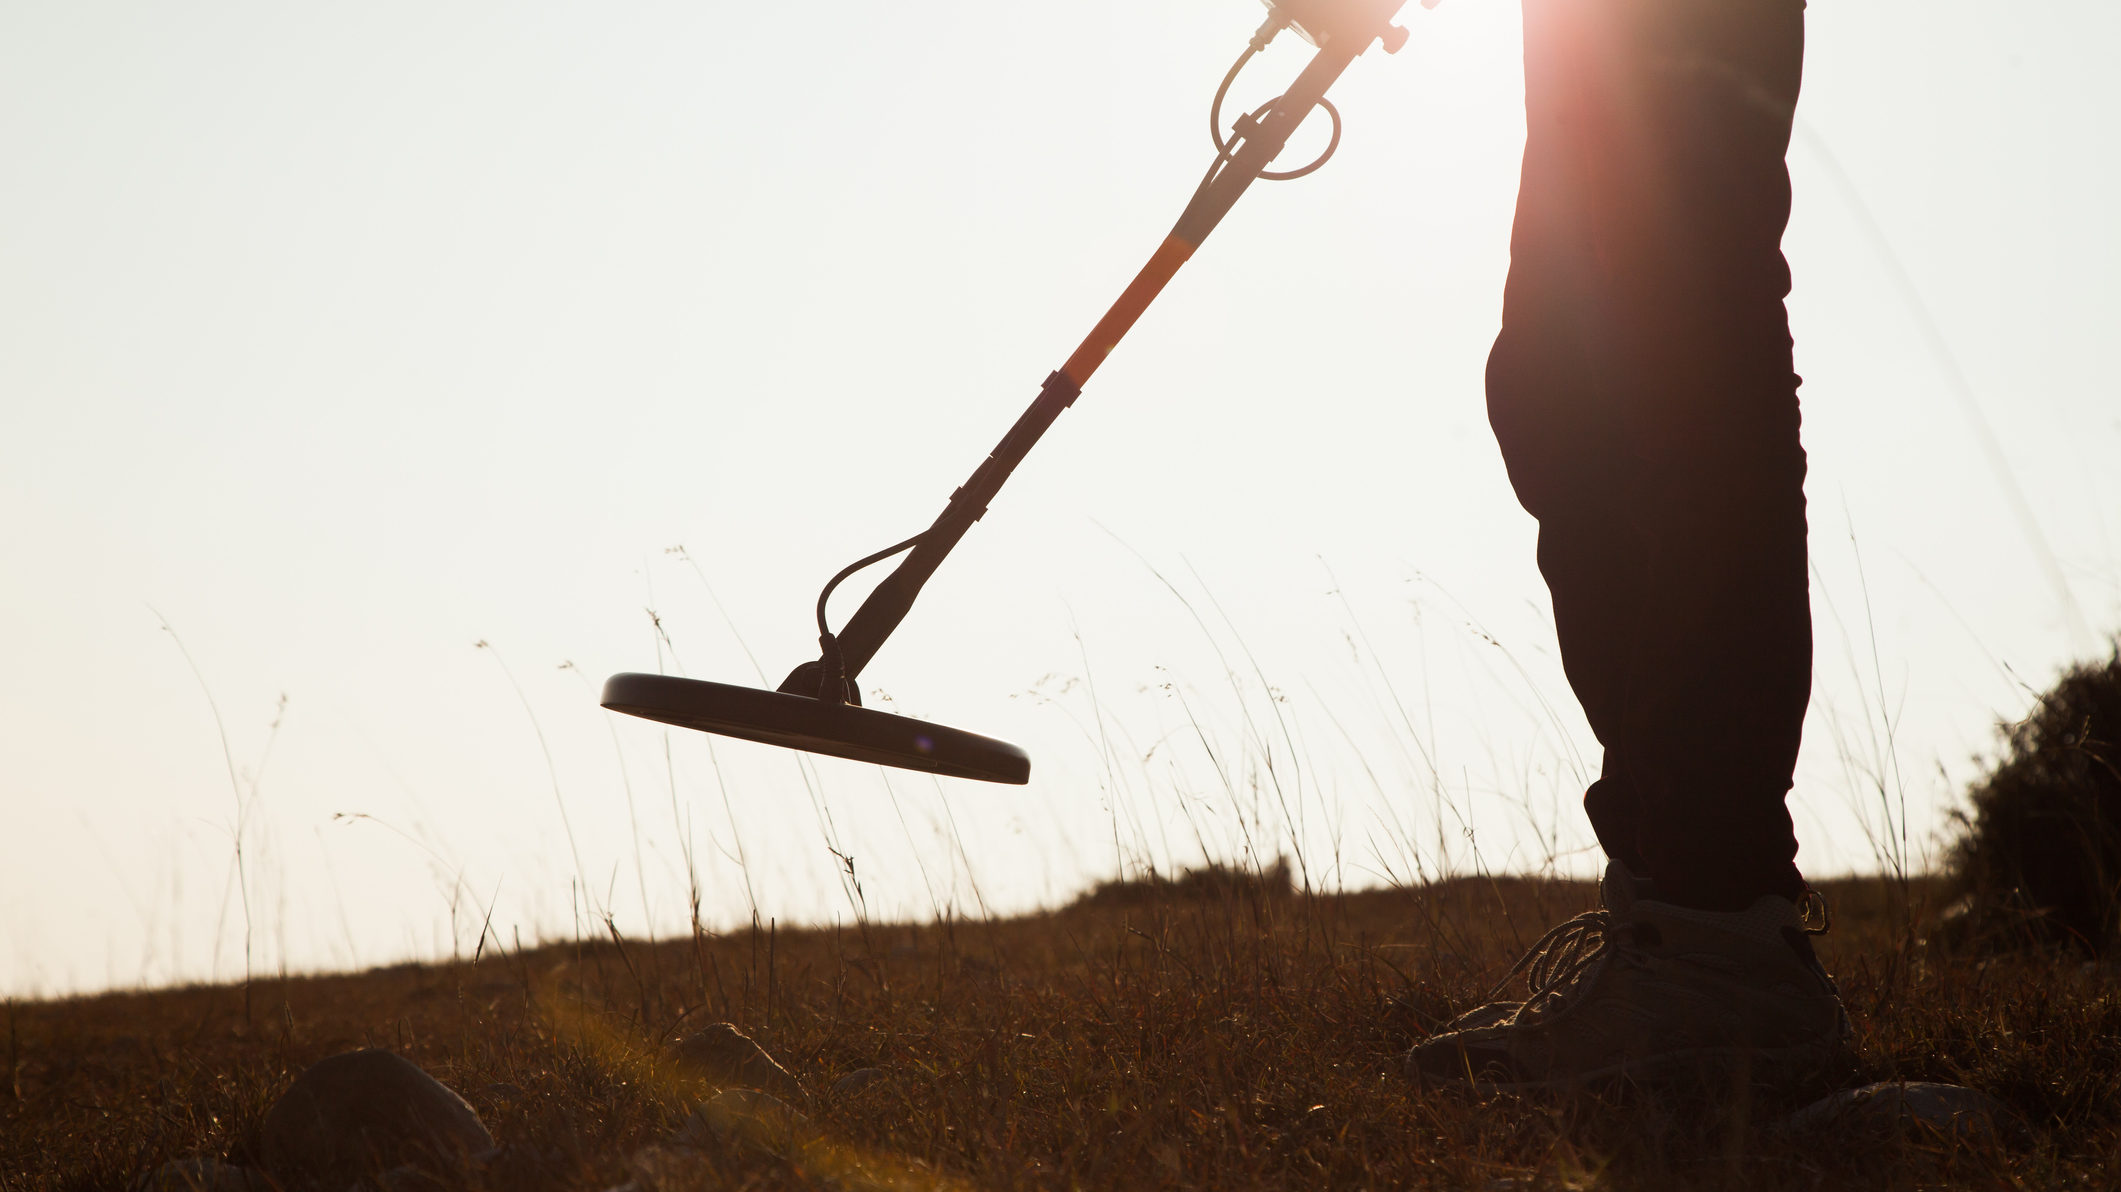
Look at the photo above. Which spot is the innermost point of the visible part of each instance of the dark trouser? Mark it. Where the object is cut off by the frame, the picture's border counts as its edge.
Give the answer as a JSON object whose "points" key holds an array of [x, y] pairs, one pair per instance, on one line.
{"points": [[1643, 394]]}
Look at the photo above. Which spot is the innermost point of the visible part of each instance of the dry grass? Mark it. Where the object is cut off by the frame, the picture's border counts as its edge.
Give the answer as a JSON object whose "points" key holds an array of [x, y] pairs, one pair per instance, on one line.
{"points": [[1213, 1034]]}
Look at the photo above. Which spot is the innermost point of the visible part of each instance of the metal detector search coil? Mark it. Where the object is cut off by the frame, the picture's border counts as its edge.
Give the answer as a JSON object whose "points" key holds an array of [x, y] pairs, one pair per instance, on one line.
{"points": [[802, 722], [818, 706]]}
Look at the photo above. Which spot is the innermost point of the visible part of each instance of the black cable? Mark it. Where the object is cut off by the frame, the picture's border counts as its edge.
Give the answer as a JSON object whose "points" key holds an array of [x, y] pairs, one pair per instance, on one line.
{"points": [[855, 566], [1215, 107], [832, 679], [1215, 169], [1261, 36]]}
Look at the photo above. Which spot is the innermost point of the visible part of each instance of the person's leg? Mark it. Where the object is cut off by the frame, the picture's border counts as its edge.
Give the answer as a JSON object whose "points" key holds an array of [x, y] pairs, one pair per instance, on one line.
{"points": [[1643, 394], [1558, 419]]}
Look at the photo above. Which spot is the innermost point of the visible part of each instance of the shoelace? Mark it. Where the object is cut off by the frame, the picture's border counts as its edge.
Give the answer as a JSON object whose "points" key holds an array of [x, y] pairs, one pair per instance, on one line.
{"points": [[1560, 958], [1556, 961]]}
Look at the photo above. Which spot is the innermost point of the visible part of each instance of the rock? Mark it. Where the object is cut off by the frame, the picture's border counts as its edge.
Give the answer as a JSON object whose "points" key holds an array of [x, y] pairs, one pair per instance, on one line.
{"points": [[405, 1178], [369, 1113], [857, 1080], [521, 1165], [672, 1169], [200, 1175], [726, 1057], [749, 1118], [1952, 1110]]}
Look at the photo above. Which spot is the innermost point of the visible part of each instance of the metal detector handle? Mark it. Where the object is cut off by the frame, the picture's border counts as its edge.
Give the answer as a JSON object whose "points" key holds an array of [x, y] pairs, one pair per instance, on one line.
{"points": [[892, 599]]}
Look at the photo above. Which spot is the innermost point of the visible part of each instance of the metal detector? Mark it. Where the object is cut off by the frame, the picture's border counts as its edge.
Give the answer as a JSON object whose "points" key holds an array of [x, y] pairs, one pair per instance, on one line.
{"points": [[818, 706]]}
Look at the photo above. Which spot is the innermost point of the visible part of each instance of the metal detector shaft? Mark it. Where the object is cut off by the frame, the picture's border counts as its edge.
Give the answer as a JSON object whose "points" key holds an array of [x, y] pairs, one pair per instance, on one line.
{"points": [[889, 603]]}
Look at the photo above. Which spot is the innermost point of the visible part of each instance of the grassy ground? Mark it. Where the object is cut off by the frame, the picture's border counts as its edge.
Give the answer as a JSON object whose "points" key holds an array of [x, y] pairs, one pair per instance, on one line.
{"points": [[1217, 1035]]}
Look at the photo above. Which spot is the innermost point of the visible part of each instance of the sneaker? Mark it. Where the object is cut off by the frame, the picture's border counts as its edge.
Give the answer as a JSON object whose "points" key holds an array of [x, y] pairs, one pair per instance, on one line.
{"points": [[1646, 991], [1618, 891]]}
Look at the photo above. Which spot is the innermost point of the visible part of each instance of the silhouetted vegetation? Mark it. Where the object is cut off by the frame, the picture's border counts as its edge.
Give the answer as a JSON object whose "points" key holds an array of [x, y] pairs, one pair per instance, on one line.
{"points": [[2039, 860], [1214, 880]]}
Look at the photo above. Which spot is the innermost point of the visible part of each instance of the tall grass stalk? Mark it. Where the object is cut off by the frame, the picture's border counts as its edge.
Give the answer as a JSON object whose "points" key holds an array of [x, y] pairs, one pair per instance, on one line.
{"points": [[1870, 764], [551, 770], [633, 817], [243, 801]]}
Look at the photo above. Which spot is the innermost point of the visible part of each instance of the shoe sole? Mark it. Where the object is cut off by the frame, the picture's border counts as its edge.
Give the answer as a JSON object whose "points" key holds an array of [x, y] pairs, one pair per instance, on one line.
{"points": [[1789, 1067]]}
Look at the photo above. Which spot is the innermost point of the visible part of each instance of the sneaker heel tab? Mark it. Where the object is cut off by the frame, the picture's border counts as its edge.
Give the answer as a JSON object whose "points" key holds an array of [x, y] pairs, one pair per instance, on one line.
{"points": [[1620, 888], [1814, 912]]}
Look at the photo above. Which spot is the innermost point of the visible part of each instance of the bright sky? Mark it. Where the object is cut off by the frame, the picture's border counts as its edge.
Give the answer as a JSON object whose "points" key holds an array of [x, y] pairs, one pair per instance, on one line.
{"points": [[336, 339]]}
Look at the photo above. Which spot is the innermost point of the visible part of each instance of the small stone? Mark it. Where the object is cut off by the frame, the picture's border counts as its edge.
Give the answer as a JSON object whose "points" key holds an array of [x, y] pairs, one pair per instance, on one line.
{"points": [[1898, 1106], [726, 1057], [857, 1080], [369, 1113], [199, 1175]]}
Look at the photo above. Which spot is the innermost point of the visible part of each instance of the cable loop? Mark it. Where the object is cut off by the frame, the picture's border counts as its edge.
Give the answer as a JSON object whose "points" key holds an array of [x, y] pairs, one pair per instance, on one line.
{"points": [[1331, 145], [1227, 149]]}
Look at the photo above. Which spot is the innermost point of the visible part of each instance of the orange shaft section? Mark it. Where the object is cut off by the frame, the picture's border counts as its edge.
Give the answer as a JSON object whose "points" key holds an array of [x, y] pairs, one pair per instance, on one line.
{"points": [[1140, 292]]}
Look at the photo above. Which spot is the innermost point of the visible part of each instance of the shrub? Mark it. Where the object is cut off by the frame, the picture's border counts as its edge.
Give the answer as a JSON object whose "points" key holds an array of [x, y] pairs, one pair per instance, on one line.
{"points": [[2038, 859], [1215, 880]]}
